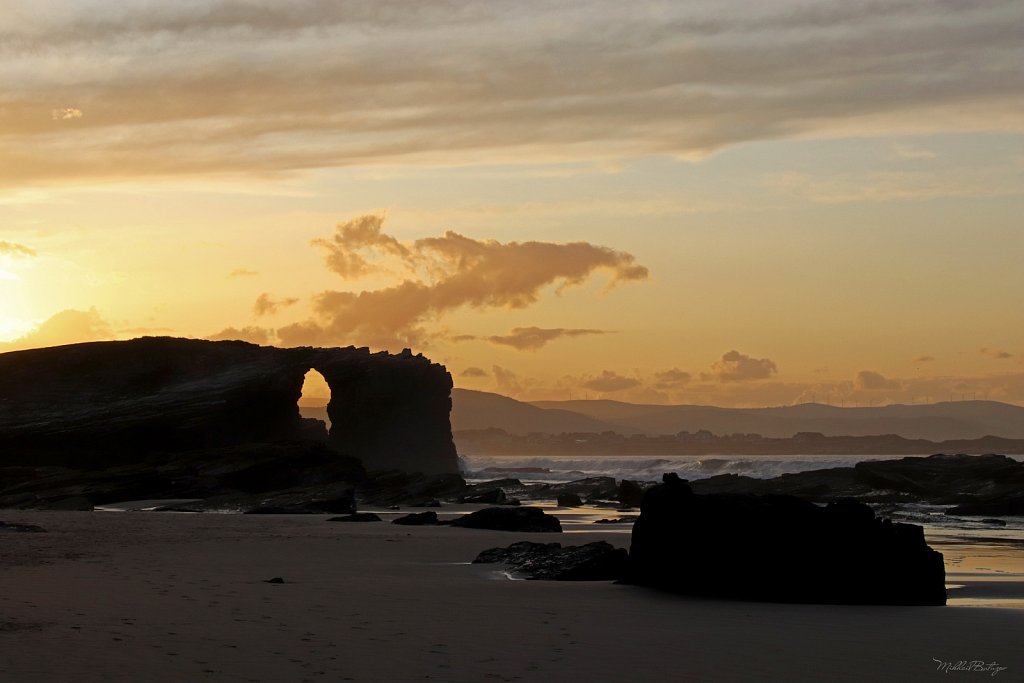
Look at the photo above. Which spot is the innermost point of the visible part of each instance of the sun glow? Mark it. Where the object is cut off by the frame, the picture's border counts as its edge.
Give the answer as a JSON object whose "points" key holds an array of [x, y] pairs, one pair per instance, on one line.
{"points": [[13, 328]]}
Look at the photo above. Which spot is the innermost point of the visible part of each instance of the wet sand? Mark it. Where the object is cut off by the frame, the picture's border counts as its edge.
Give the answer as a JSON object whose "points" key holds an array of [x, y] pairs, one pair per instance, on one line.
{"points": [[180, 598]]}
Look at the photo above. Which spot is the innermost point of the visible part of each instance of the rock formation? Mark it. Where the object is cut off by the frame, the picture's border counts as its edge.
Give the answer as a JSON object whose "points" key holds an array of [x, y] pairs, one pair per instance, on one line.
{"points": [[779, 548], [109, 403], [525, 519], [598, 561]]}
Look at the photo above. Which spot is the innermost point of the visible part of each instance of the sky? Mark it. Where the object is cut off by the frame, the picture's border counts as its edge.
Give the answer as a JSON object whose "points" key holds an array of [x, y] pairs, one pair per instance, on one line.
{"points": [[727, 203]]}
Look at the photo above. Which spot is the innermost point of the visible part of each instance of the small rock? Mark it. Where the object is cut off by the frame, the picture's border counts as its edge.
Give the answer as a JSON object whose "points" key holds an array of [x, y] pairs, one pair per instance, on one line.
{"points": [[276, 579], [569, 500], [356, 517], [616, 520], [428, 518]]}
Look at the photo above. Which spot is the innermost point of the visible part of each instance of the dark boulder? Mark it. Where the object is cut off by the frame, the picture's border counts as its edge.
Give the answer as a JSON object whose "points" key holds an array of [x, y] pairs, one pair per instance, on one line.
{"points": [[526, 519], [599, 561], [569, 500], [779, 548], [615, 520], [590, 488], [491, 497], [631, 493], [428, 518], [357, 517]]}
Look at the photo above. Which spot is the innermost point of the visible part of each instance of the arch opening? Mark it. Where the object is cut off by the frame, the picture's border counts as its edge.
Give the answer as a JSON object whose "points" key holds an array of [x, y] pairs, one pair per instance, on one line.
{"points": [[315, 396]]}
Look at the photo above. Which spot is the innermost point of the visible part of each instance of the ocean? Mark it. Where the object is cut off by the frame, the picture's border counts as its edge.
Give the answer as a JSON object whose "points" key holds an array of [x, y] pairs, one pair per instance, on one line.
{"points": [[561, 468]]}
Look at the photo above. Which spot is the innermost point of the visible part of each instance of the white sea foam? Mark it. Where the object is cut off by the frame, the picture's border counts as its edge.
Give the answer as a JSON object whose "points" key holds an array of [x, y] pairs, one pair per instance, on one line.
{"points": [[645, 468]]}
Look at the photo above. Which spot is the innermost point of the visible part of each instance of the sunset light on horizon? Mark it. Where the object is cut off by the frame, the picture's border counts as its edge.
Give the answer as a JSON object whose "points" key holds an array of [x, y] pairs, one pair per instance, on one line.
{"points": [[705, 202]]}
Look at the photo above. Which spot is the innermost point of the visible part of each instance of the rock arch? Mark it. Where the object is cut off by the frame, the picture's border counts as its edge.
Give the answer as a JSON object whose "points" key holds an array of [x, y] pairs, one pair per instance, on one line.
{"points": [[97, 404]]}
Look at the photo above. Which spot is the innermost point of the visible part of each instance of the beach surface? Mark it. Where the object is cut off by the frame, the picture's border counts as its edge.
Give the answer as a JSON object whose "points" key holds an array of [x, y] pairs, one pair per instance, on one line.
{"points": [[137, 596]]}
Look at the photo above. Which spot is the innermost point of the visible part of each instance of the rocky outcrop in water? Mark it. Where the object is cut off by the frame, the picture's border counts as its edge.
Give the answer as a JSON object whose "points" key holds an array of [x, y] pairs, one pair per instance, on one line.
{"points": [[779, 548], [598, 561], [937, 479]]}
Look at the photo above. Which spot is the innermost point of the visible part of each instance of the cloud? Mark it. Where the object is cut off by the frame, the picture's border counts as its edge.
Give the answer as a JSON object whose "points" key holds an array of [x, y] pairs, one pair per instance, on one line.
{"points": [[912, 152], [359, 235], [443, 81], [531, 338], [255, 335], [473, 372], [508, 382], [66, 114], [737, 367], [16, 250], [924, 359], [242, 272], [868, 380], [440, 275], [266, 305], [671, 379], [70, 326], [146, 331], [609, 381], [998, 354]]}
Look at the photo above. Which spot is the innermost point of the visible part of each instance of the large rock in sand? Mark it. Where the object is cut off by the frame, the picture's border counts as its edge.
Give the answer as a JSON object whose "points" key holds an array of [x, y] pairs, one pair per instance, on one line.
{"points": [[598, 561], [527, 519], [779, 548]]}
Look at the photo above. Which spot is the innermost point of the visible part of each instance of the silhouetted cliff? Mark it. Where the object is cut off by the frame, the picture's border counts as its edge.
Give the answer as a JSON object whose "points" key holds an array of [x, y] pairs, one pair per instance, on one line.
{"points": [[106, 403]]}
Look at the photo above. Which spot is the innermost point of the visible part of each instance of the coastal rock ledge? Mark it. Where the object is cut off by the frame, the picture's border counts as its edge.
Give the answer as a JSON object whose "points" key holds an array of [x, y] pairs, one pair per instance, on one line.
{"points": [[779, 549]]}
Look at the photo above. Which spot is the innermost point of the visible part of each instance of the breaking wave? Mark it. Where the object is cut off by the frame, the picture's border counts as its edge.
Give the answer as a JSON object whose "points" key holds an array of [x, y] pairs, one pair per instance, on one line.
{"points": [[530, 468]]}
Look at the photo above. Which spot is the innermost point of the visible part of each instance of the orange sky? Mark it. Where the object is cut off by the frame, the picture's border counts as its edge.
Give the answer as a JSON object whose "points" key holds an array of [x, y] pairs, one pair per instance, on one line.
{"points": [[661, 202]]}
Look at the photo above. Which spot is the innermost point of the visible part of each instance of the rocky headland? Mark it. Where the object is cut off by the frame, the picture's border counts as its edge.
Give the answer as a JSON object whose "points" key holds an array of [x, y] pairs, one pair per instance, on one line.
{"points": [[87, 424]]}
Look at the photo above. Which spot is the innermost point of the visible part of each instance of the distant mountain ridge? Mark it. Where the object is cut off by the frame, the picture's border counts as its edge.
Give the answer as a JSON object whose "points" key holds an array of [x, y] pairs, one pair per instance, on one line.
{"points": [[473, 410]]}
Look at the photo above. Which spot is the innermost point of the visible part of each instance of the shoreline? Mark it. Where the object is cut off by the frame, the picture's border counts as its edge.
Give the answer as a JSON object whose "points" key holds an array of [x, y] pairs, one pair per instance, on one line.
{"points": [[174, 597]]}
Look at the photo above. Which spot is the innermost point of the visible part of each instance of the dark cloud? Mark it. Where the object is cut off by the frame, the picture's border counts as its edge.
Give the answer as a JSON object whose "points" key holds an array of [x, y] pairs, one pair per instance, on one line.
{"points": [[442, 274], [737, 367], [998, 354], [14, 249], [242, 272], [671, 379], [531, 338], [453, 79], [473, 372], [868, 380], [255, 335], [267, 305], [609, 381], [67, 327]]}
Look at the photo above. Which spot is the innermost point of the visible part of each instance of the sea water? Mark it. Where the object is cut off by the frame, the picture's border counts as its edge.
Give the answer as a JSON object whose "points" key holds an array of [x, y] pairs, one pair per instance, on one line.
{"points": [[561, 468]]}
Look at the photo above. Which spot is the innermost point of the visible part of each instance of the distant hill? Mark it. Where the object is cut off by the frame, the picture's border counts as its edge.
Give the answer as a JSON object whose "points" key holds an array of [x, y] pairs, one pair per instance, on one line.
{"points": [[476, 410], [482, 410], [936, 421]]}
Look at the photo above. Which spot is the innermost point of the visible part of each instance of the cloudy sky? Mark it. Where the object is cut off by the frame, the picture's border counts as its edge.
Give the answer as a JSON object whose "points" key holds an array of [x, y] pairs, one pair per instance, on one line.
{"points": [[719, 202]]}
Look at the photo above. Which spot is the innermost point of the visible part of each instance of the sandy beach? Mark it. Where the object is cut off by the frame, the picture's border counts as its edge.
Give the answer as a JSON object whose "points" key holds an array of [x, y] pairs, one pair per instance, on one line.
{"points": [[180, 597]]}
